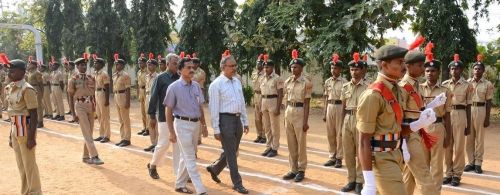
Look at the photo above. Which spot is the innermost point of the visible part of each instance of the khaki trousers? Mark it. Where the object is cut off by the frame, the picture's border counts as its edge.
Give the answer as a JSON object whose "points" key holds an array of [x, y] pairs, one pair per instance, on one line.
{"points": [[142, 103], [258, 116], [455, 154], [334, 130], [123, 116], [387, 167], [475, 141], [350, 149], [47, 104], [153, 133], [39, 109], [435, 155], [271, 122], [26, 163], [58, 100], [102, 114], [85, 115], [296, 138], [416, 171]]}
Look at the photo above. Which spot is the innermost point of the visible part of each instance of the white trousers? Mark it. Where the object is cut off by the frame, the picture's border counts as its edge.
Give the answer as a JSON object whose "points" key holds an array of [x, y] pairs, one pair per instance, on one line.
{"points": [[187, 139], [161, 149]]}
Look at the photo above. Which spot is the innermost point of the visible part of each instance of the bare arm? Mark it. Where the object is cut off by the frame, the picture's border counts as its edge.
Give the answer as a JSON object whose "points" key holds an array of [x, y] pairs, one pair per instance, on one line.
{"points": [[307, 102], [170, 123], [365, 151], [106, 94]]}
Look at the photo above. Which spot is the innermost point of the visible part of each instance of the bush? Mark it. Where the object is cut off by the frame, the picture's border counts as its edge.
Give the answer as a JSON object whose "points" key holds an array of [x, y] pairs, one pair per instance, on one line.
{"points": [[248, 94]]}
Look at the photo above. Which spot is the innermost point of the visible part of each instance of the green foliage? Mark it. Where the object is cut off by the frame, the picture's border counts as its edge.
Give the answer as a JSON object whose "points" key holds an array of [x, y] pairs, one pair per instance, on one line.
{"points": [[53, 27], [73, 33], [248, 94]]}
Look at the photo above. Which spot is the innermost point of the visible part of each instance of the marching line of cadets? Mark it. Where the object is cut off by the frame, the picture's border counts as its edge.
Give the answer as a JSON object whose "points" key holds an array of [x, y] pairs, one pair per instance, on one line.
{"points": [[395, 134]]}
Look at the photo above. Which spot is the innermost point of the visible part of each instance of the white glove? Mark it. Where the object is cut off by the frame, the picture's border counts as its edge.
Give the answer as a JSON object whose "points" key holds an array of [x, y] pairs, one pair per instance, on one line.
{"points": [[427, 117], [406, 154], [369, 187], [437, 101]]}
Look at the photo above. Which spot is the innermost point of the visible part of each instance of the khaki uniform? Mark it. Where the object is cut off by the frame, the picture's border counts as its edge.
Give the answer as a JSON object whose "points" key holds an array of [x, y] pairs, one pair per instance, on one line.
{"points": [[200, 76], [57, 92], [455, 155], [435, 156], [334, 116], [3, 103], [122, 82], [257, 100], [82, 86], [141, 81], [35, 79], [376, 116], [21, 97], [47, 103], [351, 93], [150, 78], [416, 171], [102, 111], [296, 91], [482, 92], [269, 86]]}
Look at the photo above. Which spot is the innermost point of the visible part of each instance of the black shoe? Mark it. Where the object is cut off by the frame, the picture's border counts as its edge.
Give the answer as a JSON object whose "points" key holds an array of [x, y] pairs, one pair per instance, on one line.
{"points": [[104, 140], [330, 162], [338, 163], [455, 181], [141, 132], [199, 142], [266, 151], [272, 153], [241, 190], [61, 118], [478, 169], [263, 140], [119, 143], [96, 160], [469, 168], [7, 120], [446, 180], [56, 117], [39, 125], [152, 172], [212, 173], [359, 187], [349, 187], [98, 139], [149, 148], [300, 176], [146, 133], [125, 143], [153, 150], [257, 140], [290, 175]]}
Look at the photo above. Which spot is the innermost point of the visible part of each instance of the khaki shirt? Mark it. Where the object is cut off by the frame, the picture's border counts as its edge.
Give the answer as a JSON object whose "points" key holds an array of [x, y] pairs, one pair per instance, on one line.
{"points": [[482, 90], [269, 85], [141, 78], [121, 81], [150, 78], [200, 77], [3, 74], [333, 87], [21, 97], [375, 115], [430, 93], [57, 77], [256, 79], [101, 78], [35, 78], [46, 77], [462, 91], [412, 109], [81, 85], [297, 90], [351, 93]]}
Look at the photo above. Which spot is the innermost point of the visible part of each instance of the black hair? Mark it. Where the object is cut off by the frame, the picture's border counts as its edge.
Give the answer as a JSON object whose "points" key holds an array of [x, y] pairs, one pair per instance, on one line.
{"points": [[182, 63]]}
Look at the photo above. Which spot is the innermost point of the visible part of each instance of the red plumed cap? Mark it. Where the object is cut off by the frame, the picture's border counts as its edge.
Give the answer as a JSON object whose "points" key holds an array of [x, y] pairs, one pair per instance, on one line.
{"points": [[85, 56], [65, 60], [142, 55], [116, 56], [94, 56], [418, 41], [456, 57], [355, 57], [4, 59], [159, 56], [266, 57], [479, 58], [335, 58], [195, 55], [226, 53], [30, 58], [151, 56], [261, 57], [188, 56], [428, 51], [182, 55], [295, 54], [365, 57], [52, 60]]}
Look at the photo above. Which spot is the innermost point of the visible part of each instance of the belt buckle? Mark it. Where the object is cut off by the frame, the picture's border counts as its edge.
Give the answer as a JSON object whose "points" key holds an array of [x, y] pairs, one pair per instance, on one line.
{"points": [[238, 114]]}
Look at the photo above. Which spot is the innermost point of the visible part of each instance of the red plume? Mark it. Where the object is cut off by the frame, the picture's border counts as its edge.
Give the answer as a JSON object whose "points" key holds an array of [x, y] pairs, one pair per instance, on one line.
{"points": [[226, 53], [456, 57], [188, 56], [418, 41], [182, 55], [266, 57], [159, 57], [94, 56], [430, 57], [295, 54], [151, 56], [4, 59], [116, 56], [335, 58], [142, 55], [261, 56], [52, 60], [85, 56], [365, 57], [479, 58], [195, 55], [429, 47], [355, 57], [65, 60], [30, 58]]}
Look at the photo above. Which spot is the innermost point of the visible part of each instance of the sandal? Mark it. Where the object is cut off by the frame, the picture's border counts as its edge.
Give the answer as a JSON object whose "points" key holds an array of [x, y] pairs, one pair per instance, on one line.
{"points": [[184, 190]]}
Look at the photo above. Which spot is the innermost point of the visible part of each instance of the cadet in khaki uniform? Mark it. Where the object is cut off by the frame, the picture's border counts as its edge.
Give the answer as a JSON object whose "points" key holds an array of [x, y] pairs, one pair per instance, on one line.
{"points": [[256, 77], [199, 76], [81, 89], [57, 86], [69, 72], [3, 103], [35, 79], [47, 103], [481, 108], [298, 91], [150, 77], [22, 109], [102, 91], [416, 170], [380, 122], [141, 91], [121, 89], [441, 129], [351, 91], [461, 109], [271, 86], [333, 112]]}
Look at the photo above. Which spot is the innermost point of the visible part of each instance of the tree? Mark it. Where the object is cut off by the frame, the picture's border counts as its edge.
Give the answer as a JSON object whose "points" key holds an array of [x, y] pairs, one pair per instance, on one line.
{"points": [[102, 29], [123, 38], [53, 27], [73, 32]]}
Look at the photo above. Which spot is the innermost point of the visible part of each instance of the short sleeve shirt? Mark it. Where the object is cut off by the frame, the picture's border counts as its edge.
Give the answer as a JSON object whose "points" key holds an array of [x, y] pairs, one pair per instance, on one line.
{"points": [[35, 78], [46, 77], [81, 85], [351, 93], [149, 81], [121, 81], [57, 77], [141, 78], [21, 97], [461, 90], [430, 92], [256, 77], [269, 85], [297, 90], [185, 99], [333, 87], [101, 78], [482, 90], [412, 109]]}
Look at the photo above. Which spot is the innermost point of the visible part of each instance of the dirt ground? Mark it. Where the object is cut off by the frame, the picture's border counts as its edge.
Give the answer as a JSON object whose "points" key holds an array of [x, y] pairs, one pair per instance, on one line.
{"points": [[59, 153]]}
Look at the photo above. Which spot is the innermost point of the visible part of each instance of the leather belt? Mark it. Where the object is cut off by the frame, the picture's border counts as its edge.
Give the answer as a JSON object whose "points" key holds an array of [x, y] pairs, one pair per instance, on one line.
{"points": [[350, 112], [100, 89], [439, 120], [257, 92], [384, 144], [478, 104], [46, 84], [269, 96], [334, 101], [147, 92], [55, 84], [295, 104], [143, 87], [187, 118], [230, 114], [84, 99], [120, 91], [458, 107]]}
